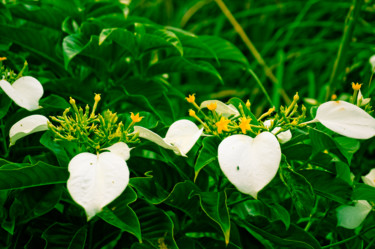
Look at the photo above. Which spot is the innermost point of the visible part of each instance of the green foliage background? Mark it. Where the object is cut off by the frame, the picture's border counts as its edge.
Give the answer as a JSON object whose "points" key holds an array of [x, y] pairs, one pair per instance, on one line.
{"points": [[147, 56]]}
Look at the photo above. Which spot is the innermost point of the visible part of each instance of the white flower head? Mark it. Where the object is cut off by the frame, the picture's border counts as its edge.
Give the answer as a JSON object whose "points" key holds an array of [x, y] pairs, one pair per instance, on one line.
{"points": [[181, 136], [346, 119], [25, 92], [250, 163], [369, 179], [221, 108], [97, 180], [283, 137], [351, 217], [26, 126]]}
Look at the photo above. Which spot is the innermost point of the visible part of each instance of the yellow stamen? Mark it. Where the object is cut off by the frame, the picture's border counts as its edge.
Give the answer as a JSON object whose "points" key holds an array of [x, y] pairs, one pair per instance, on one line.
{"points": [[191, 98], [212, 106], [135, 118], [356, 86], [244, 125], [222, 125]]}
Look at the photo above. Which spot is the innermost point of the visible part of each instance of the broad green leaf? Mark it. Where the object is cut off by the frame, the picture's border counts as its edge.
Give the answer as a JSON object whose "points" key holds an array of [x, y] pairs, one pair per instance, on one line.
{"points": [[328, 185], [182, 65], [321, 141], [31, 176], [207, 154], [300, 152], [160, 39], [47, 140], [156, 226], [363, 192], [122, 37], [119, 214], [149, 189], [300, 190], [181, 198], [72, 46], [347, 146], [5, 103], [54, 101], [343, 172], [224, 50], [214, 204], [62, 235]]}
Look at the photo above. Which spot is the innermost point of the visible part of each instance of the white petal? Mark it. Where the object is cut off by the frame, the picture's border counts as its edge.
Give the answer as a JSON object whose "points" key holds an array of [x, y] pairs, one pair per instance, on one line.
{"points": [[369, 179], [96, 180], [372, 62], [121, 149], [25, 92], [152, 136], [283, 137], [346, 119], [222, 108], [26, 126], [183, 134], [250, 163], [351, 217]]}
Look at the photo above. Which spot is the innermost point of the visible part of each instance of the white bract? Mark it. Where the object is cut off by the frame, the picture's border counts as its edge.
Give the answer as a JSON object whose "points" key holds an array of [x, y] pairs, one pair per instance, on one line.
{"points": [[250, 163], [372, 62], [25, 92], [283, 137], [96, 180], [221, 108], [351, 217], [369, 179], [181, 136], [26, 126], [362, 101], [346, 119]]}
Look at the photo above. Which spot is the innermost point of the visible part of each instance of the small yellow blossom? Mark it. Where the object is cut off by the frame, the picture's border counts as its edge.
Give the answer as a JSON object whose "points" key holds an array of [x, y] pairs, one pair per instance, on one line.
{"points": [[3, 58], [97, 97], [212, 106], [222, 125], [248, 104], [296, 97], [191, 98], [356, 86], [244, 125], [333, 97], [191, 113], [72, 101], [135, 118]]}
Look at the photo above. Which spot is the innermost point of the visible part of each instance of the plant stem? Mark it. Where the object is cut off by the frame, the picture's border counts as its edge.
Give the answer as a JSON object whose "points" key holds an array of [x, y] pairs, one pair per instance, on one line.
{"points": [[350, 21], [249, 44], [260, 85]]}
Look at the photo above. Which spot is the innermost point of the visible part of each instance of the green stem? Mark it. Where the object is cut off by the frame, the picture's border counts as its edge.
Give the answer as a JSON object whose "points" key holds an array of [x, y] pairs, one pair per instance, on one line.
{"points": [[344, 45], [349, 239], [260, 85]]}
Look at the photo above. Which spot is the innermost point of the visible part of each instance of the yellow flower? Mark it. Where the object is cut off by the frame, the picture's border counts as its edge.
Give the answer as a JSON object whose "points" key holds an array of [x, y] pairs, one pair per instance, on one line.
{"points": [[191, 98], [3, 58], [191, 113], [222, 125], [97, 97], [244, 125], [135, 118], [212, 106], [356, 86]]}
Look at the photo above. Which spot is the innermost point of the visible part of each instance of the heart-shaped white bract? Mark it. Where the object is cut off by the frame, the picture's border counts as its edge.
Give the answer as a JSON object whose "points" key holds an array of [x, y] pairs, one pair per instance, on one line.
{"points": [[181, 136], [222, 108], [25, 92], [369, 179], [96, 180], [121, 149], [346, 119], [351, 217], [26, 126], [283, 137], [250, 163]]}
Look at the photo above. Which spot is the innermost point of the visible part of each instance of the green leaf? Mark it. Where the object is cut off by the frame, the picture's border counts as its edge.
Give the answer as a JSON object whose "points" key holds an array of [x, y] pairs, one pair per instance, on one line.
{"points": [[182, 199], [207, 154], [47, 140], [159, 39], [54, 101], [321, 141], [122, 37], [62, 235], [156, 225], [347, 146], [5, 103], [31, 176], [328, 185], [119, 214], [149, 189], [182, 65], [300, 190], [214, 204], [299, 152], [79, 239], [72, 46], [363, 192]]}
